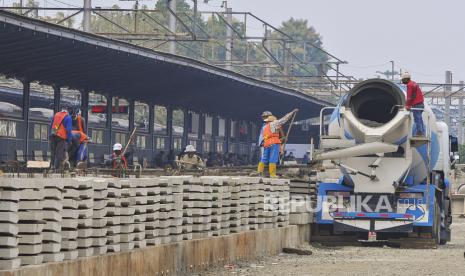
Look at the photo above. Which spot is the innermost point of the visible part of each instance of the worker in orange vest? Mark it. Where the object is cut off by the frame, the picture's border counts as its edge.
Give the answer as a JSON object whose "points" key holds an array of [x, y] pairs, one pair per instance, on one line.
{"points": [[272, 143], [78, 149], [60, 138]]}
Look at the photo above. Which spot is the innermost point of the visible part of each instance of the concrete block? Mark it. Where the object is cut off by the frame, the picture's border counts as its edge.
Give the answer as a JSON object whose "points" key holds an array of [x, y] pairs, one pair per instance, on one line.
{"points": [[69, 203], [129, 237], [99, 184], [8, 253], [175, 230], [52, 226], [298, 219], [127, 219], [115, 220], [85, 233], [154, 241], [140, 218], [85, 222], [69, 234], [54, 194], [113, 248], [127, 211], [98, 214], [31, 259], [53, 257], [114, 183], [99, 223], [70, 194], [70, 254], [9, 195], [30, 228], [100, 250], [9, 217], [51, 215], [85, 252], [125, 246], [69, 213], [29, 249], [113, 230], [30, 205], [139, 236], [140, 244], [99, 242], [99, 232], [69, 245], [8, 206], [69, 223], [85, 213], [85, 194], [128, 228], [51, 247], [100, 194], [84, 242], [51, 237], [10, 264]]}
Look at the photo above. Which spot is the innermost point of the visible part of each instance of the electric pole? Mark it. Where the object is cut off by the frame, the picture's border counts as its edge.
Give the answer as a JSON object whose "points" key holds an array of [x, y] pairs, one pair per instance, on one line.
{"points": [[86, 16], [228, 12], [172, 25]]}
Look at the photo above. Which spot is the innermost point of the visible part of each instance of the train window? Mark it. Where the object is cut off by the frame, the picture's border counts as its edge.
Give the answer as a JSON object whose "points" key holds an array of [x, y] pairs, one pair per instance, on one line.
{"points": [[120, 138], [254, 132], [177, 143], [7, 128], [96, 136], [140, 141], [178, 122], [11, 97], [206, 146], [97, 110], [160, 143], [120, 114], [141, 116], [208, 124], [70, 98], [161, 118], [243, 130], [221, 127], [41, 132], [41, 102], [195, 122], [219, 147]]}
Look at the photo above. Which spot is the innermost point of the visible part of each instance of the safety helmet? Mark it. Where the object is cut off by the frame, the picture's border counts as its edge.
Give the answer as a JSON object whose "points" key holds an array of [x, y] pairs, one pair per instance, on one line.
{"points": [[406, 75], [190, 148], [117, 146], [271, 119], [266, 113]]}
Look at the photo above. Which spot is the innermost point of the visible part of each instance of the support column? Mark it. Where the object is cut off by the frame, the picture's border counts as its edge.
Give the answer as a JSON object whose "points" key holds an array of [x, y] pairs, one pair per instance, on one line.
{"points": [[172, 25], [169, 126], [131, 115], [109, 119], [447, 100], [227, 135], [85, 108], [215, 132], [86, 16], [56, 98], [201, 131], [152, 132], [460, 119], [268, 46], [26, 106]]}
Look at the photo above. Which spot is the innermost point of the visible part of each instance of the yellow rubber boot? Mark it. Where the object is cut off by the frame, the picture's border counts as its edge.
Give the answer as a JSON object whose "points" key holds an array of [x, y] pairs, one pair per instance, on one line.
{"points": [[272, 168], [261, 168]]}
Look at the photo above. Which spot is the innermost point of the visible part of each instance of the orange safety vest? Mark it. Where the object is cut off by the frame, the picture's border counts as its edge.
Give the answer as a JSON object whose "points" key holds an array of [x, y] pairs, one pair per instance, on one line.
{"points": [[270, 138], [58, 129], [79, 123], [82, 137]]}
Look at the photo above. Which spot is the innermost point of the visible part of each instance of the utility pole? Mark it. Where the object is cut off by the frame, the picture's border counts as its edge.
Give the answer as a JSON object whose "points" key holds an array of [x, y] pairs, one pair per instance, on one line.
{"points": [[228, 12], [86, 16], [172, 25], [268, 46], [460, 120], [447, 100]]}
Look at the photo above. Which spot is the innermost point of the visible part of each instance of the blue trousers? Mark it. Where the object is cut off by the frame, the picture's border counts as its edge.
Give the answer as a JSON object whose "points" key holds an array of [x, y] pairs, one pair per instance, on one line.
{"points": [[418, 119], [271, 154]]}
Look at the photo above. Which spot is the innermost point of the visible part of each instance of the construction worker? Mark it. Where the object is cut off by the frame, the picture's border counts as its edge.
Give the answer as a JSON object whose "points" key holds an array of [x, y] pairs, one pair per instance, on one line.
{"points": [[117, 159], [190, 160], [414, 103], [272, 143], [60, 138], [265, 115], [79, 123], [78, 149]]}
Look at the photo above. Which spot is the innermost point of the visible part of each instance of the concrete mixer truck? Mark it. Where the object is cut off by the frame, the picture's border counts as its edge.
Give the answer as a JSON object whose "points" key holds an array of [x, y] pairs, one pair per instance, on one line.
{"points": [[389, 184]]}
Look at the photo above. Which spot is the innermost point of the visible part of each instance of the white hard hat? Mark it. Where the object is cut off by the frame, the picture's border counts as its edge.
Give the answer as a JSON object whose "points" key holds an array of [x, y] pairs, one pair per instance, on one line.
{"points": [[406, 75], [190, 148], [117, 146]]}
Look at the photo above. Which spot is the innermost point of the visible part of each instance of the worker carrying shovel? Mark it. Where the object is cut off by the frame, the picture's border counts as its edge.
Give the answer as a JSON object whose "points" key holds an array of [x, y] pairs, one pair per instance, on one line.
{"points": [[272, 143]]}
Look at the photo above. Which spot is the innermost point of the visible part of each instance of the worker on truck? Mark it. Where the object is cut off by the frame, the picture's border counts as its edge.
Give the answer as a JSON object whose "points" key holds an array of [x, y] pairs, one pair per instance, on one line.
{"points": [[272, 143], [60, 138], [414, 103]]}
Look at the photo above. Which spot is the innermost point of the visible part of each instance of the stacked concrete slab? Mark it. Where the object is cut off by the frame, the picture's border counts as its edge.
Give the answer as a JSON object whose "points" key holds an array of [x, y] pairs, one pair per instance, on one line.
{"points": [[9, 206], [30, 223], [52, 207], [44, 220]]}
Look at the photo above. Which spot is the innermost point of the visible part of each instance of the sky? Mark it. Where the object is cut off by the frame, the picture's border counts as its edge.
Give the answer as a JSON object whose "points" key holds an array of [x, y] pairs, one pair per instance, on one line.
{"points": [[424, 37]]}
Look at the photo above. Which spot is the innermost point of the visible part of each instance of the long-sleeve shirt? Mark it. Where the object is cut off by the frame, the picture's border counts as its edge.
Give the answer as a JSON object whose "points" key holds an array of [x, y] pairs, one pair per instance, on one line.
{"points": [[414, 94], [260, 137], [279, 123]]}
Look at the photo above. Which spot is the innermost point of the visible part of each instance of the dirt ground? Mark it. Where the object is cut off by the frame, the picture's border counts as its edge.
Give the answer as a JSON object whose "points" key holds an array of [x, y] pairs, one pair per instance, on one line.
{"points": [[446, 260]]}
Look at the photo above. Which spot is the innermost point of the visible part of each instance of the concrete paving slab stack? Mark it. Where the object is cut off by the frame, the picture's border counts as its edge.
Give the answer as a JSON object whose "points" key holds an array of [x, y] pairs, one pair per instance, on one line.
{"points": [[99, 221], [216, 186], [235, 223], [271, 203], [69, 221], [128, 201], [30, 223], [176, 184], [253, 200], [152, 210], [9, 205], [142, 203], [113, 216], [52, 207], [282, 189], [226, 207], [165, 207], [198, 202], [245, 200], [85, 210]]}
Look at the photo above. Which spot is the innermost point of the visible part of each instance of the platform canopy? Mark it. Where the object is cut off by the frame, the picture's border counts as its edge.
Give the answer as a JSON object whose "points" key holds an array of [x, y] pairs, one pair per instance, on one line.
{"points": [[51, 54]]}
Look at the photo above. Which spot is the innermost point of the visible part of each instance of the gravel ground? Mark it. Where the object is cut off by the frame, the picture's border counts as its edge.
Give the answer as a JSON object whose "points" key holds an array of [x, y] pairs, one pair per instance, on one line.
{"points": [[446, 260]]}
